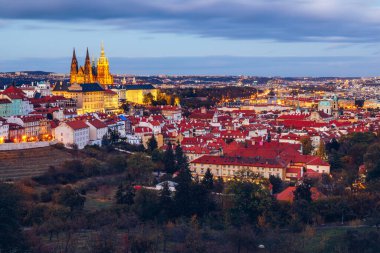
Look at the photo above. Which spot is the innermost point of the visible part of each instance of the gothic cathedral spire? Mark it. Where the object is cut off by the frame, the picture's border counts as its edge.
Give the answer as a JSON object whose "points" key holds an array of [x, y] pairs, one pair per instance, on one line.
{"points": [[88, 77], [74, 68]]}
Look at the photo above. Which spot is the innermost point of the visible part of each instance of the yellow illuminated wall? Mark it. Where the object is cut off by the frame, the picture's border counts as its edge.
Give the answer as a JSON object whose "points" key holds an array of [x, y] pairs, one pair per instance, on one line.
{"points": [[137, 96]]}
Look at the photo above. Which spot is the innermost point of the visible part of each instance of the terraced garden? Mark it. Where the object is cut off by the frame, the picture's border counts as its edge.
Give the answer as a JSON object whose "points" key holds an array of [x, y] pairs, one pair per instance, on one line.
{"points": [[20, 164]]}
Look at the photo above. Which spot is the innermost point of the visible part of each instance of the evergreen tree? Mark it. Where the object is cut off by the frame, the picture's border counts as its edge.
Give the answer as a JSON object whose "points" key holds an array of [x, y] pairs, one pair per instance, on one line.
{"points": [[303, 191], [276, 183], [183, 191], [169, 159], [208, 180], [125, 195], [335, 160], [219, 185], [165, 203], [152, 144], [129, 195], [119, 194], [332, 145], [180, 157]]}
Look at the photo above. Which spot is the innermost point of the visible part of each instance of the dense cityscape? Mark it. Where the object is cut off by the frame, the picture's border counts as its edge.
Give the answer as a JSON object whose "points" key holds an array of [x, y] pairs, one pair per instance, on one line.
{"points": [[195, 126], [97, 162]]}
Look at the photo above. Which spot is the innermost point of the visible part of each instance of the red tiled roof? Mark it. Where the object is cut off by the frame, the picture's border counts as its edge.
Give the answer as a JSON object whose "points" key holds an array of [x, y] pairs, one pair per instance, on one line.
{"points": [[240, 161], [77, 124], [288, 194], [97, 123], [110, 92], [31, 118], [293, 117]]}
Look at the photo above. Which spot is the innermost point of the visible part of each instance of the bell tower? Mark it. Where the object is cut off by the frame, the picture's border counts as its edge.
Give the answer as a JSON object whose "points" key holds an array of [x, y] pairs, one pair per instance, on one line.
{"points": [[104, 76]]}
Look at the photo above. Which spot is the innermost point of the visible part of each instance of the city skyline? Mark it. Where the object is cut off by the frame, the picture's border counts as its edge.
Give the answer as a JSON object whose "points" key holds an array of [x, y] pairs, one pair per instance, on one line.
{"points": [[171, 37]]}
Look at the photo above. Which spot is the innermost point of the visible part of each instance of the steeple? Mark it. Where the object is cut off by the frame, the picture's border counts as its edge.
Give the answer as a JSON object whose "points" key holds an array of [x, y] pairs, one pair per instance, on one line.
{"points": [[102, 54], [74, 68], [87, 61], [88, 78]]}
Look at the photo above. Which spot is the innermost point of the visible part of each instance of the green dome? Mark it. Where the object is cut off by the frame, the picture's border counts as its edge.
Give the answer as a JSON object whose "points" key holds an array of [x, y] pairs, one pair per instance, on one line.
{"points": [[324, 103]]}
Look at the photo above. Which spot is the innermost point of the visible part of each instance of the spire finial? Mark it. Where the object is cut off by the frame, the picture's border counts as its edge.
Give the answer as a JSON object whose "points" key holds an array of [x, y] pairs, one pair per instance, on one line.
{"points": [[102, 49], [87, 54]]}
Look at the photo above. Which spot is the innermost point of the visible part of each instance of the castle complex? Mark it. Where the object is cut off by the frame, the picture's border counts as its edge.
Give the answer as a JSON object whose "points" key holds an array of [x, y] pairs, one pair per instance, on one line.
{"points": [[89, 85], [93, 89], [91, 73]]}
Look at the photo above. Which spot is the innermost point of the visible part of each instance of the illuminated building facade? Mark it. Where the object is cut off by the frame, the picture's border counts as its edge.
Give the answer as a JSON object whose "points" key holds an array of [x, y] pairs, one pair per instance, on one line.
{"points": [[89, 73], [89, 96], [135, 93]]}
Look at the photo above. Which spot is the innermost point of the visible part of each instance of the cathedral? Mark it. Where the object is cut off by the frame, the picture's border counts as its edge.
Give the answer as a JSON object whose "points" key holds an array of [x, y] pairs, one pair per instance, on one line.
{"points": [[91, 73]]}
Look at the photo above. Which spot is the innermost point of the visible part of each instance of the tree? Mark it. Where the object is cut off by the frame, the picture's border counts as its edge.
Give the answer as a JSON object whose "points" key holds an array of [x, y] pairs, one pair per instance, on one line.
{"points": [[146, 204], [321, 151], [152, 144], [219, 185], [372, 162], [303, 191], [148, 99], [125, 195], [104, 241], [141, 244], [332, 145], [157, 155], [71, 198], [249, 201], [208, 180], [125, 107], [180, 157], [116, 163], [166, 203], [307, 146], [335, 160], [276, 183], [11, 239], [183, 195], [140, 168], [169, 159]]}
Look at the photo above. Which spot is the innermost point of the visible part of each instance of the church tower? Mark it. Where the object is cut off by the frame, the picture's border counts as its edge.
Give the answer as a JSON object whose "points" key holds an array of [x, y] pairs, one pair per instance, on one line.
{"points": [[104, 76], [88, 77], [74, 68]]}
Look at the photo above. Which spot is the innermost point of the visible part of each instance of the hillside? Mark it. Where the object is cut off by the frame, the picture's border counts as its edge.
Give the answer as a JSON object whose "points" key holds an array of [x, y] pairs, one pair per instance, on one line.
{"points": [[20, 164]]}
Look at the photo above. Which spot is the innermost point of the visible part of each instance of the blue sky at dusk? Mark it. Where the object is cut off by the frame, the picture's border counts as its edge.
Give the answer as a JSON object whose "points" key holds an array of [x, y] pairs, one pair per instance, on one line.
{"points": [[252, 37]]}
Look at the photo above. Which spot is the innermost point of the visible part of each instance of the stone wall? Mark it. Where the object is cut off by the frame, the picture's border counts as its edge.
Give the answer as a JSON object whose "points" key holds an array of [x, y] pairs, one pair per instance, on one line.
{"points": [[25, 145]]}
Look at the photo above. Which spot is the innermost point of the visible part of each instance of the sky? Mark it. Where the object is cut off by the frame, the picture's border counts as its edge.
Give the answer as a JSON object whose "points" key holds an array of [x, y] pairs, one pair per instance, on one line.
{"points": [[218, 37]]}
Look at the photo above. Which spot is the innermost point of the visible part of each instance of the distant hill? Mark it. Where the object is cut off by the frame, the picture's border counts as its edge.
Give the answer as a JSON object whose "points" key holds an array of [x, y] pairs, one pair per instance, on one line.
{"points": [[35, 73]]}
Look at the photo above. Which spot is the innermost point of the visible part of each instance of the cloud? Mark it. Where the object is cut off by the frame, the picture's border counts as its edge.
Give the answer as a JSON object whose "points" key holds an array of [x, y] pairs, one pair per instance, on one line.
{"points": [[279, 20]]}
